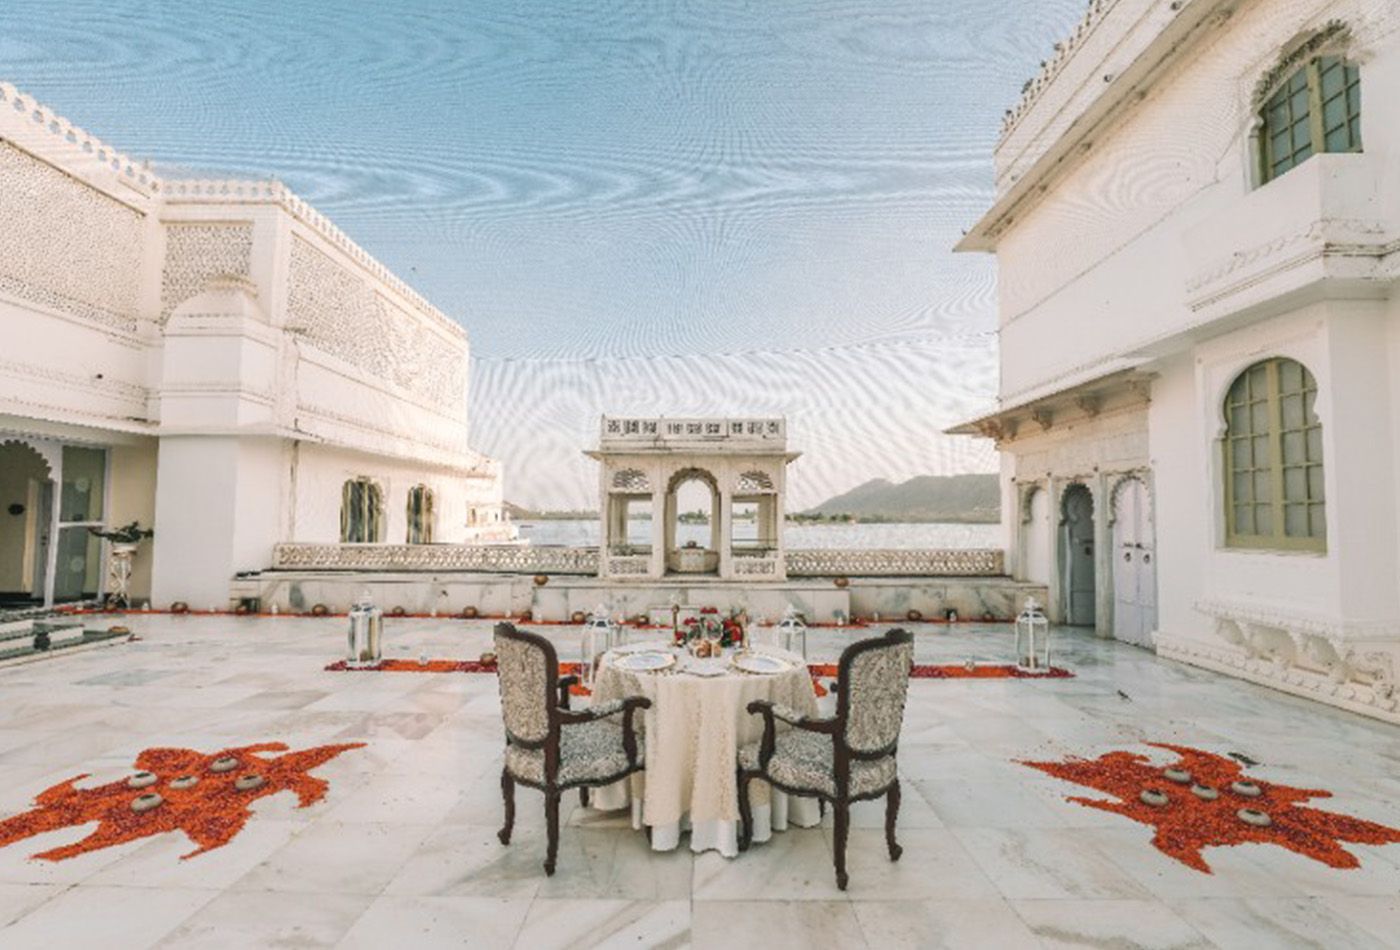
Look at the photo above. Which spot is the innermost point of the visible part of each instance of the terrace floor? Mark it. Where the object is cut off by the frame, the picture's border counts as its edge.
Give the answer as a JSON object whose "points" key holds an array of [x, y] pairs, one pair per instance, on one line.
{"points": [[402, 850]]}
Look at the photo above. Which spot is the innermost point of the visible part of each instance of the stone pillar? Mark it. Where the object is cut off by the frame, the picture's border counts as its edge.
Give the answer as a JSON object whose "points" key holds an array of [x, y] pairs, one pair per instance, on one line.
{"points": [[660, 529], [1054, 585], [1103, 557], [725, 504]]}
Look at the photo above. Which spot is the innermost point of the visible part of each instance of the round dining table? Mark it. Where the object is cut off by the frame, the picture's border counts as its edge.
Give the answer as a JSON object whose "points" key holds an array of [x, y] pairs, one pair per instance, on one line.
{"points": [[696, 725]]}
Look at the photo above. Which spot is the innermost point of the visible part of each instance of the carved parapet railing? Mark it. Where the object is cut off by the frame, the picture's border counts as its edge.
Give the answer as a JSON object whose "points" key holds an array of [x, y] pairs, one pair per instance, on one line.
{"points": [[761, 563], [1337, 661], [629, 565], [950, 562], [487, 558]]}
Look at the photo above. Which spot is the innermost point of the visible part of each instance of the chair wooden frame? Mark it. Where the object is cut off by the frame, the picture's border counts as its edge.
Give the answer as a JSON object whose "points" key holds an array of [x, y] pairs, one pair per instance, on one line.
{"points": [[842, 757], [556, 700]]}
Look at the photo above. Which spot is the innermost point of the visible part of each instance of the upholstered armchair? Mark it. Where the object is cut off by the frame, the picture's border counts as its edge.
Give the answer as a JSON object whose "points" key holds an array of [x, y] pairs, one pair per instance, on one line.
{"points": [[847, 758], [549, 746]]}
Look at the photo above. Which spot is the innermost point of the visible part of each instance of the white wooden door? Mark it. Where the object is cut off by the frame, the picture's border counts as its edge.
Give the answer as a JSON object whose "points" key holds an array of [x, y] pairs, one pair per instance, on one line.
{"points": [[1134, 566]]}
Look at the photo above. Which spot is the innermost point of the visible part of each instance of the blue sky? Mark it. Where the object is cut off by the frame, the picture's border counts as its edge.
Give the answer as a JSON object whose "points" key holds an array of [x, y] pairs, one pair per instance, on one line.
{"points": [[675, 208]]}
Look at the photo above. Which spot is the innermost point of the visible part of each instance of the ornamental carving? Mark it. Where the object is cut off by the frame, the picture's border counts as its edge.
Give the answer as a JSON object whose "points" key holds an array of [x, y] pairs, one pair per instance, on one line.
{"points": [[343, 315], [970, 562], [631, 480], [197, 252], [65, 245], [754, 483], [514, 559]]}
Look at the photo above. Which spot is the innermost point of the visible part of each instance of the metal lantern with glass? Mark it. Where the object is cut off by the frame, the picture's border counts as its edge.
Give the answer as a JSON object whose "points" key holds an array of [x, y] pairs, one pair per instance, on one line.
{"points": [[1032, 639]]}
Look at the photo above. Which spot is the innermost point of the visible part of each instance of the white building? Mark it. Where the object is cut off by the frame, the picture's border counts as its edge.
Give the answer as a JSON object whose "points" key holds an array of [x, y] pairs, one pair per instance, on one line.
{"points": [[214, 359], [1197, 229]]}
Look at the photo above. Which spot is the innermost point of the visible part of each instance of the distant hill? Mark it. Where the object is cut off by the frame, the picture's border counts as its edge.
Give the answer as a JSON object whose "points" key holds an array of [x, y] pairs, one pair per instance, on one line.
{"points": [[956, 498]]}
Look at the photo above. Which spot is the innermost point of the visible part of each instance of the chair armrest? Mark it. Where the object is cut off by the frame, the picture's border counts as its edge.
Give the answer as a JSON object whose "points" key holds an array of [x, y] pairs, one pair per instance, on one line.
{"points": [[564, 683], [771, 713]]}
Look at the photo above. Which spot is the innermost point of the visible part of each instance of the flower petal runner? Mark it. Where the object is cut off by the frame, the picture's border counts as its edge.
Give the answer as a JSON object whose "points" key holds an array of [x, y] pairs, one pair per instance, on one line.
{"points": [[205, 795], [1205, 800]]}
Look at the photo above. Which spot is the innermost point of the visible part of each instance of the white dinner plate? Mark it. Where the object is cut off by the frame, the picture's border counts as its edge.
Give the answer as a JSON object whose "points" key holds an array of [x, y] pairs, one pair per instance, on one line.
{"points": [[706, 667], [759, 663], [645, 662]]}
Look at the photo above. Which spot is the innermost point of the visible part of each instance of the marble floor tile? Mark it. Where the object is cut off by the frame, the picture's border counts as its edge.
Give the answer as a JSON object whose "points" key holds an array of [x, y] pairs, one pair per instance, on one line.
{"points": [[943, 925], [1047, 864], [337, 858], [1125, 924], [111, 918], [239, 919], [1277, 922], [403, 848], [581, 924], [767, 924], [487, 923]]}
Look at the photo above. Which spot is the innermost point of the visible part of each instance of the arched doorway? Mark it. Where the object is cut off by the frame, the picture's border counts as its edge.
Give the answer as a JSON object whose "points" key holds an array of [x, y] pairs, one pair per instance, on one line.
{"points": [[26, 513], [1036, 536], [1077, 555], [692, 522], [1134, 563]]}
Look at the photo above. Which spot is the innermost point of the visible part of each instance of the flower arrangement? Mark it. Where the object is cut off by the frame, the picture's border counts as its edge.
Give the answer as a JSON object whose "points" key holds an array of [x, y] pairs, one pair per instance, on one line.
{"points": [[709, 632], [127, 534]]}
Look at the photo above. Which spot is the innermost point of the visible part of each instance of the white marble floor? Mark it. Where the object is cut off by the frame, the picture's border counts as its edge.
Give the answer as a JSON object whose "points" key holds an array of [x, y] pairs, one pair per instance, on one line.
{"points": [[402, 851]]}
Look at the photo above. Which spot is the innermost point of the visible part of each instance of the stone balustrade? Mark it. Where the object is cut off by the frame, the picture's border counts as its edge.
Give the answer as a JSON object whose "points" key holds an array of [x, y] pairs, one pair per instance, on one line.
{"points": [[486, 558], [887, 562], [525, 559]]}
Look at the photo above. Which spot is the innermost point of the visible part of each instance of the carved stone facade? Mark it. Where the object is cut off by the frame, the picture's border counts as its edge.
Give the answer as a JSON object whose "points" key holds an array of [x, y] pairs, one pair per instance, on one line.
{"points": [[229, 337], [65, 245], [343, 315], [195, 252], [1136, 270]]}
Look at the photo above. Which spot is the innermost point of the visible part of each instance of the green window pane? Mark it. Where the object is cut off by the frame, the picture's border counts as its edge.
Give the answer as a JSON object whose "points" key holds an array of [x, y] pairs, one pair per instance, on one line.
{"points": [[1334, 113], [1242, 487], [1239, 453], [1244, 519], [1295, 521], [1259, 381], [1263, 486], [1263, 520], [1338, 140], [1294, 448], [1292, 413], [1303, 153], [1239, 419], [1295, 484], [1315, 444], [83, 490], [1262, 455], [1354, 100], [1290, 376], [1315, 482], [1317, 523], [1259, 417]]}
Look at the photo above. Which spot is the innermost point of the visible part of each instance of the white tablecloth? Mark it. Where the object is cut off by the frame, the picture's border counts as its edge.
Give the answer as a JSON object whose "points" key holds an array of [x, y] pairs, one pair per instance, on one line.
{"points": [[694, 729]]}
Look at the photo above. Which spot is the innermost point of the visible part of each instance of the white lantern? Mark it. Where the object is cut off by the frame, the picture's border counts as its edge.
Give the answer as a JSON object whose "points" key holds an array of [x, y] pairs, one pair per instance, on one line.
{"points": [[791, 628], [599, 634], [1032, 639]]}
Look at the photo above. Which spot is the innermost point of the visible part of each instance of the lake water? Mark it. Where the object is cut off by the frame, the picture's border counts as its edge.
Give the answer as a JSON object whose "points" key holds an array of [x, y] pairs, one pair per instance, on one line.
{"points": [[796, 536]]}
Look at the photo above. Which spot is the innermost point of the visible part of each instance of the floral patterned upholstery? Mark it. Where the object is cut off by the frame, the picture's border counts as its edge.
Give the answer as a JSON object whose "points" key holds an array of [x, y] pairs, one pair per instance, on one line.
{"points": [[524, 674], [878, 683], [588, 751], [805, 761]]}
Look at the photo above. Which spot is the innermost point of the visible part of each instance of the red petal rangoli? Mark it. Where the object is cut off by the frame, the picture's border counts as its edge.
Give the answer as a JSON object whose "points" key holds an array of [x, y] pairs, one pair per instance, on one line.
{"points": [[210, 810], [1187, 822]]}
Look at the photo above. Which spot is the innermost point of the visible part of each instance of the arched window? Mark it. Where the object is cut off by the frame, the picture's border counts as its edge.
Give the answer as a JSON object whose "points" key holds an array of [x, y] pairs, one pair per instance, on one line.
{"points": [[1317, 108], [420, 515], [1273, 459], [361, 512]]}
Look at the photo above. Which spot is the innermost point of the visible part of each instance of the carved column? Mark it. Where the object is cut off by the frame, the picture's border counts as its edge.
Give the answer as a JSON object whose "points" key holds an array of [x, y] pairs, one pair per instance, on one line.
{"points": [[661, 518], [725, 503]]}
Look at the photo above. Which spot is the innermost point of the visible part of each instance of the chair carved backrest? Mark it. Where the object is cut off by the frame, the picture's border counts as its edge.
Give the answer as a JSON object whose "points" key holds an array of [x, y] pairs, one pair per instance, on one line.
{"points": [[873, 683], [528, 669]]}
